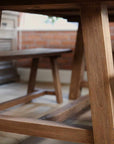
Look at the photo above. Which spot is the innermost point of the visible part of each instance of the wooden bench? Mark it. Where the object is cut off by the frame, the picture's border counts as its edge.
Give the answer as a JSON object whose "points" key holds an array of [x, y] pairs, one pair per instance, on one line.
{"points": [[43, 126], [35, 54]]}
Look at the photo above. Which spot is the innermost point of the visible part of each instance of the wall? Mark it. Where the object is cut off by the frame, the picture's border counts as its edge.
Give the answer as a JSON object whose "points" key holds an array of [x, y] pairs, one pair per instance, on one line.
{"points": [[50, 39]]}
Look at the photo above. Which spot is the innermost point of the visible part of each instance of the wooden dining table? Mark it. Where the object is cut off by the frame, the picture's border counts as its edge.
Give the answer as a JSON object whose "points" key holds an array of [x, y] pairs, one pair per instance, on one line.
{"points": [[93, 45]]}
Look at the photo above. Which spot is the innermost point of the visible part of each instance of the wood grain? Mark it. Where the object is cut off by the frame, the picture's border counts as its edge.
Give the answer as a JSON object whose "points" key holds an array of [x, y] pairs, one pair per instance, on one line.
{"points": [[66, 10], [33, 6], [68, 110], [56, 79], [31, 53], [33, 74], [113, 135], [47, 129], [98, 51], [84, 84], [77, 66]]}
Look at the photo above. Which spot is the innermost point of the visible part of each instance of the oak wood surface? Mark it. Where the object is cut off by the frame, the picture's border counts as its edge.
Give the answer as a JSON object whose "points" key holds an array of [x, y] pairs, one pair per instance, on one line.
{"points": [[56, 79], [84, 84], [68, 110], [77, 66], [33, 74], [113, 135], [45, 128], [68, 11], [34, 6], [98, 51], [31, 53], [99, 66]]}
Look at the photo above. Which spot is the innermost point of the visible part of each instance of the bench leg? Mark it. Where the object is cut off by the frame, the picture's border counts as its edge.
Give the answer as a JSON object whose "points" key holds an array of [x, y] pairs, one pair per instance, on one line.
{"points": [[98, 52], [33, 73], [56, 79], [77, 67]]}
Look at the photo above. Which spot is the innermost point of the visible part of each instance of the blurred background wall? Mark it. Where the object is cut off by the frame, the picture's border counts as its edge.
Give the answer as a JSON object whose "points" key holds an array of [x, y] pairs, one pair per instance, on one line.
{"points": [[30, 31]]}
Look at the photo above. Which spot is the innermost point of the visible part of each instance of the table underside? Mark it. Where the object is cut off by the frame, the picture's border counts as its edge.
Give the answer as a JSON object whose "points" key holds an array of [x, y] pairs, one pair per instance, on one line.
{"points": [[95, 35], [66, 9]]}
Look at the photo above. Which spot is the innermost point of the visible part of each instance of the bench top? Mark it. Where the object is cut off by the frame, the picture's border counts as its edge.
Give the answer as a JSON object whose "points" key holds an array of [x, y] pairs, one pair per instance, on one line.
{"points": [[31, 53]]}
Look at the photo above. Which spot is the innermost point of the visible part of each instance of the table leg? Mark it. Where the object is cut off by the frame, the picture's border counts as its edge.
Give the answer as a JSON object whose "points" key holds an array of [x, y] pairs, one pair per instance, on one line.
{"points": [[33, 73], [56, 79], [98, 52], [77, 67]]}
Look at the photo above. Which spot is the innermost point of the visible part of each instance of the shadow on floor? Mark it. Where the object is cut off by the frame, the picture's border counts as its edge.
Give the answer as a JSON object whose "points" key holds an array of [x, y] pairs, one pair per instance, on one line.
{"points": [[36, 140]]}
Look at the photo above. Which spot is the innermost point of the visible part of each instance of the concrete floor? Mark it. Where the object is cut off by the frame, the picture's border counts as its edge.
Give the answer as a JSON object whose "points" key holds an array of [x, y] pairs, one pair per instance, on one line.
{"points": [[15, 90]]}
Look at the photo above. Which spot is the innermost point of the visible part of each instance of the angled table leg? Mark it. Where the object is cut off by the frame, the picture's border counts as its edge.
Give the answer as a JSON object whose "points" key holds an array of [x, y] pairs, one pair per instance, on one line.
{"points": [[78, 66], [33, 73], [56, 79], [98, 52]]}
